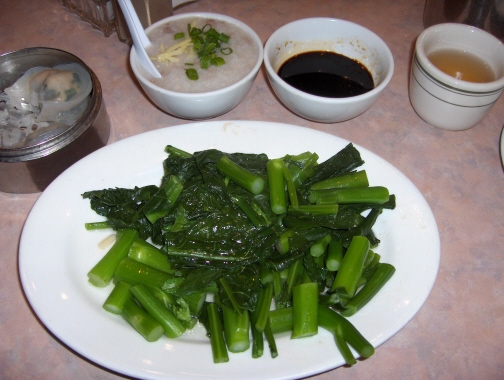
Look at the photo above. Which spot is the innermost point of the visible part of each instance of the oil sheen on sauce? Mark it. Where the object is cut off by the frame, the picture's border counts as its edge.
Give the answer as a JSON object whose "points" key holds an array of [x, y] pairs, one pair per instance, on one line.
{"points": [[326, 74]]}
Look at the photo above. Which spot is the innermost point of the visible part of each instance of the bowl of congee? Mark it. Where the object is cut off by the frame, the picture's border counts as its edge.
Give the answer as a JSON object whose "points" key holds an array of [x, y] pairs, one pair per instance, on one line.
{"points": [[207, 61]]}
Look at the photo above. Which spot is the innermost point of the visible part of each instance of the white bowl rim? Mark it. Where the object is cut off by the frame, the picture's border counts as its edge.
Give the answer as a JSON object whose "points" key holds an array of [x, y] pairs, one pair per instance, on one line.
{"points": [[321, 99], [220, 17], [448, 80]]}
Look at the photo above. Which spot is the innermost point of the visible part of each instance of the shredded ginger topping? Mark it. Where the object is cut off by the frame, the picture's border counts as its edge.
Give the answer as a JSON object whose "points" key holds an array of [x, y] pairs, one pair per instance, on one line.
{"points": [[170, 54]]}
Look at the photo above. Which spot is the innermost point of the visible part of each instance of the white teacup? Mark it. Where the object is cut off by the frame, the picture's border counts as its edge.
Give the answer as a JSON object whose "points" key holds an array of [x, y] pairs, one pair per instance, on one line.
{"points": [[445, 101]]}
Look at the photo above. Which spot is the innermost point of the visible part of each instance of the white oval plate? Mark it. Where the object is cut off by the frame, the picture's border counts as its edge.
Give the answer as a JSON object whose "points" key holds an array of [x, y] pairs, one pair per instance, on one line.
{"points": [[56, 252]]}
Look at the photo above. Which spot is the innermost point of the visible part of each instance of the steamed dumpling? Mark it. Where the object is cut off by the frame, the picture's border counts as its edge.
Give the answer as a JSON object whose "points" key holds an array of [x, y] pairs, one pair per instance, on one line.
{"points": [[19, 94], [54, 85], [50, 92]]}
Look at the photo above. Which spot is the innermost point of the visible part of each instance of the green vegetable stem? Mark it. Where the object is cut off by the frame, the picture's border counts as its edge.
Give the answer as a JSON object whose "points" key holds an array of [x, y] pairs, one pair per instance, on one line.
{"points": [[148, 254], [172, 150], [283, 244], [117, 298], [96, 226], [268, 333], [229, 293], [219, 350], [236, 329], [141, 321], [352, 266], [161, 203], [195, 301], [291, 186], [136, 273], [334, 255], [380, 277], [172, 327], [101, 274], [257, 336], [276, 183], [350, 180], [240, 176], [366, 195], [301, 166], [253, 212], [280, 320], [263, 306], [338, 325], [320, 209], [167, 300], [305, 310], [320, 246]]}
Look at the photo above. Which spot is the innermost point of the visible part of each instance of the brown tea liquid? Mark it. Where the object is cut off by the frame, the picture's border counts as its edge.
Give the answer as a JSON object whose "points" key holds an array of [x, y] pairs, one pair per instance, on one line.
{"points": [[462, 65]]}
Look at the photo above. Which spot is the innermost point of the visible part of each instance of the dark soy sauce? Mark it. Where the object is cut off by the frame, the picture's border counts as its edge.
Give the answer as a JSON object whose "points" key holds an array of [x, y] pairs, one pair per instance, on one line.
{"points": [[326, 74]]}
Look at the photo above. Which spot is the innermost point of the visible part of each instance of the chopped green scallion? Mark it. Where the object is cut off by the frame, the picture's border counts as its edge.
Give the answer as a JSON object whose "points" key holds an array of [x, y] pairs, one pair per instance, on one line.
{"points": [[192, 74], [224, 37], [205, 62], [206, 43], [226, 50], [217, 61]]}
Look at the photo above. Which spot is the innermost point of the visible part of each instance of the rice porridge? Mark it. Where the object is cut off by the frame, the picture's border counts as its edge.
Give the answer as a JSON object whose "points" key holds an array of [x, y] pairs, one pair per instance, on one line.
{"points": [[240, 56]]}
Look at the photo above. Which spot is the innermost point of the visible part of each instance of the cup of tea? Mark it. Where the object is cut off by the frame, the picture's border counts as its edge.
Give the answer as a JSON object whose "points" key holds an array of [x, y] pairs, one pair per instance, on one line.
{"points": [[457, 75]]}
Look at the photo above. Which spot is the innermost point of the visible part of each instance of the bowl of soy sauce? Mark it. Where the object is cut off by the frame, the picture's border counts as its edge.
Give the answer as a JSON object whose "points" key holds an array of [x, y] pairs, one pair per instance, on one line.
{"points": [[327, 70]]}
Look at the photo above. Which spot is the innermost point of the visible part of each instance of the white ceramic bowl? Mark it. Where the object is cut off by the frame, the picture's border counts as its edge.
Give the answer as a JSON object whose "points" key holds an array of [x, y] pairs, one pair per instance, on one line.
{"points": [[203, 105], [327, 34], [442, 100]]}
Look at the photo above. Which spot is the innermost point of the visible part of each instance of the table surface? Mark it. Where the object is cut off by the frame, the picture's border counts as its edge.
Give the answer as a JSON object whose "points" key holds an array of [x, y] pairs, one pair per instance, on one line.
{"points": [[457, 334]]}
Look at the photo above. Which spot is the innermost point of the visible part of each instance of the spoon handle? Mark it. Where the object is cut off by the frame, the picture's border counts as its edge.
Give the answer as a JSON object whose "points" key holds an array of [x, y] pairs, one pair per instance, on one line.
{"points": [[140, 39]]}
